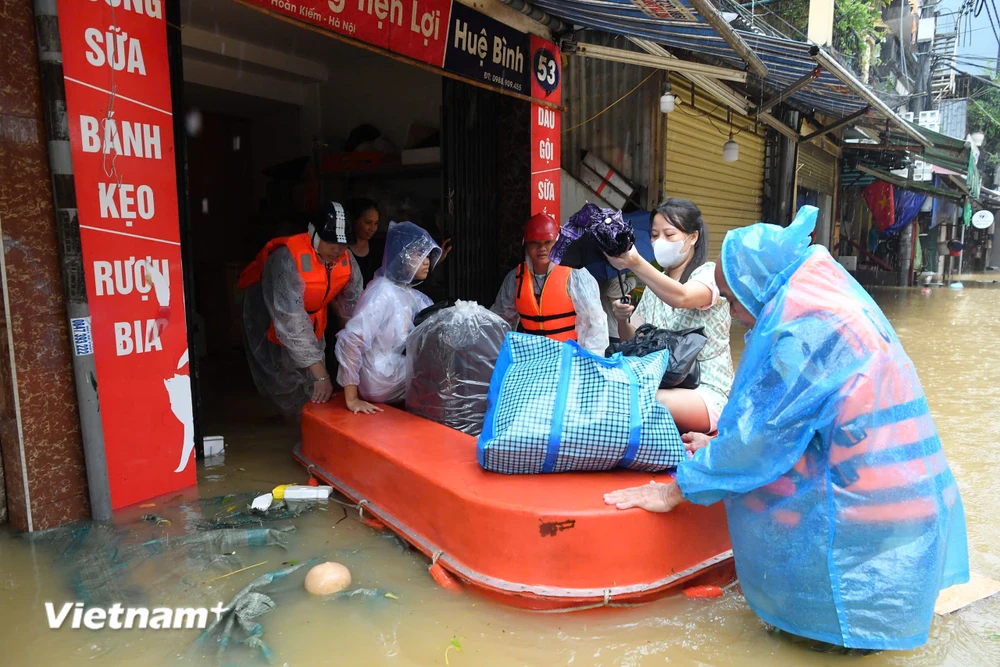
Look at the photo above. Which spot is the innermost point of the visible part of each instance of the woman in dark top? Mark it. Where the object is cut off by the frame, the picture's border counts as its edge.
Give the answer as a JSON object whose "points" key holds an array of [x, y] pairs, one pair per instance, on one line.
{"points": [[367, 253]]}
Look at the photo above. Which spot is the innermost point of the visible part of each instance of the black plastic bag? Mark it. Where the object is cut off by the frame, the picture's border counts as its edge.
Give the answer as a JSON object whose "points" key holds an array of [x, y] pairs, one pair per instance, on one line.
{"points": [[424, 314], [450, 356], [683, 369]]}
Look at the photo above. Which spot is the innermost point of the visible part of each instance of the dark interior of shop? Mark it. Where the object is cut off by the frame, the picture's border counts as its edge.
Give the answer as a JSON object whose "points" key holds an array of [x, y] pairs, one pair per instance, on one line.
{"points": [[279, 117]]}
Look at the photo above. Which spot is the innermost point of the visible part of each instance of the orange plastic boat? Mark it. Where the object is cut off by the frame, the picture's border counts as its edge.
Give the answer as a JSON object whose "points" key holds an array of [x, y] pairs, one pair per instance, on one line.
{"points": [[532, 541]]}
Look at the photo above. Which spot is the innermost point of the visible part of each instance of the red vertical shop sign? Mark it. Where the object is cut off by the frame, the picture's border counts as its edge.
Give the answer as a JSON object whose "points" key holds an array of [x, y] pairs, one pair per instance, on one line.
{"points": [[546, 127], [121, 137]]}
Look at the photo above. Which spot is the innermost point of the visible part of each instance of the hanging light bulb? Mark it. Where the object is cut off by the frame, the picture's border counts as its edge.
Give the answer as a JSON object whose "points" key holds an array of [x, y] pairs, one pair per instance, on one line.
{"points": [[730, 150], [666, 100]]}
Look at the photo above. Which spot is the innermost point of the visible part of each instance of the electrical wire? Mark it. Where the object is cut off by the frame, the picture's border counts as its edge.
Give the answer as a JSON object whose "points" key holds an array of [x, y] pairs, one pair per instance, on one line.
{"points": [[605, 109], [989, 14], [985, 111]]}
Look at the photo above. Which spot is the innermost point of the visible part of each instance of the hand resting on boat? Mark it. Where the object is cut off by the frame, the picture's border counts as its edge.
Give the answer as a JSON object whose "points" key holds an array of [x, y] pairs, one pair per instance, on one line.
{"points": [[355, 404], [652, 497]]}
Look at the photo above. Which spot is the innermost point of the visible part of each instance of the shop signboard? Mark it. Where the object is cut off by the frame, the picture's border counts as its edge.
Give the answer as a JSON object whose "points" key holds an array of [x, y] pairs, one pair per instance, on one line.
{"points": [[416, 29], [442, 33], [483, 49], [122, 145], [546, 127]]}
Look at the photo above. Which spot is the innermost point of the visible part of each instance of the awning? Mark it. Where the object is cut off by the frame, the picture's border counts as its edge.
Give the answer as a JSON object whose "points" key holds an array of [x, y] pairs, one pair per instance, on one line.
{"points": [[692, 25], [953, 154], [697, 26], [990, 197], [913, 186]]}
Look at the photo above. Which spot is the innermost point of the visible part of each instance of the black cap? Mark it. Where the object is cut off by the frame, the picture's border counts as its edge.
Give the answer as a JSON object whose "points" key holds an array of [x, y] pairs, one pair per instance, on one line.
{"points": [[333, 225]]}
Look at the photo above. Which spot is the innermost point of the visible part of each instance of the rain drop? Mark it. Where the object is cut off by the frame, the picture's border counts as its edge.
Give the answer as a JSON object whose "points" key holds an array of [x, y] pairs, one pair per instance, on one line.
{"points": [[192, 122]]}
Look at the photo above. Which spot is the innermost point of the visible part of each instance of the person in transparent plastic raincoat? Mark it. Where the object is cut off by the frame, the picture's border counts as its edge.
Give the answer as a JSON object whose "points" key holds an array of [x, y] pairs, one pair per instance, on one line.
{"points": [[371, 348], [289, 287], [845, 518]]}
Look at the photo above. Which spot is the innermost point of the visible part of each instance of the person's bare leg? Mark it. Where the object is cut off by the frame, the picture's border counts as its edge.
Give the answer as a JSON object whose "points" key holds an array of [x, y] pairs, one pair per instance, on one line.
{"points": [[687, 408]]}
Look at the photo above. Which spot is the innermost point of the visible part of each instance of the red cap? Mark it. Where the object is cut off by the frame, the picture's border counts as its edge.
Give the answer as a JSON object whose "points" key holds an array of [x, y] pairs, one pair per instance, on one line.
{"points": [[541, 227]]}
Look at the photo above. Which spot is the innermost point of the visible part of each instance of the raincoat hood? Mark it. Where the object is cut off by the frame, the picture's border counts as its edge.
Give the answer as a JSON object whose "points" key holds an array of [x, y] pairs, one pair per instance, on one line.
{"points": [[752, 257], [406, 246]]}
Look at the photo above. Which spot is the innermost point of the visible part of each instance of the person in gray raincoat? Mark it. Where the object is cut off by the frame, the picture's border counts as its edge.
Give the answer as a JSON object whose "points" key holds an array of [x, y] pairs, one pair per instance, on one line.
{"points": [[289, 288]]}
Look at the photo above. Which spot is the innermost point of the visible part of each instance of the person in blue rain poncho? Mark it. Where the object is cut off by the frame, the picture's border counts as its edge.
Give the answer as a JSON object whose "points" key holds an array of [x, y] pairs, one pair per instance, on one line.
{"points": [[845, 518]]}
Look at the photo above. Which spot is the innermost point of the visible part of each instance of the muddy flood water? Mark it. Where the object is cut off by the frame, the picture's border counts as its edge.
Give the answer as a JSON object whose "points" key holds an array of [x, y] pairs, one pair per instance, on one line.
{"points": [[953, 337]]}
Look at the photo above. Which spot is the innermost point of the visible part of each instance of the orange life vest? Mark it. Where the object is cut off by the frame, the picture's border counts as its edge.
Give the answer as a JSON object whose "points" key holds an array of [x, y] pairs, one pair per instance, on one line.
{"points": [[322, 283], [555, 316], [875, 416]]}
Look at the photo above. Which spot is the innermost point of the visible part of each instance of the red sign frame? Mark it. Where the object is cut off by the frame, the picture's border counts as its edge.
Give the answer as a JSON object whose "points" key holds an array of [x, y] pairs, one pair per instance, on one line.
{"points": [[546, 128], [119, 107]]}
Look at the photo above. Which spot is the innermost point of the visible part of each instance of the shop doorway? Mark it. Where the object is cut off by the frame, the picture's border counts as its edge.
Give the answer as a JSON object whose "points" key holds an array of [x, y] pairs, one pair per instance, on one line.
{"points": [[279, 118]]}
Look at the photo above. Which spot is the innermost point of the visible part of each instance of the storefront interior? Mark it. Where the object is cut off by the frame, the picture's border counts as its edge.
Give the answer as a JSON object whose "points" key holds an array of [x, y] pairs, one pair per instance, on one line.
{"points": [[278, 117]]}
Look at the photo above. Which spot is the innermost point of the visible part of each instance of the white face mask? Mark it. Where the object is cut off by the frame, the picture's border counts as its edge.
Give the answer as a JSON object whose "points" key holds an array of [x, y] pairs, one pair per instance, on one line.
{"points": [[669, 254]]}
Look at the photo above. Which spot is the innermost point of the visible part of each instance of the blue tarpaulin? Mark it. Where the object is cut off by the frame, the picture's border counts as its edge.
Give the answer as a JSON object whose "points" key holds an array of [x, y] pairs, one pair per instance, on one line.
{"points": [[908, 205]]}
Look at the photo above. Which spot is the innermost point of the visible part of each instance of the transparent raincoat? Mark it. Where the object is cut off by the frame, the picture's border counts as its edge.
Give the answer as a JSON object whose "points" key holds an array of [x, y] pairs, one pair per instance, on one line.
{"points": [[371, 348], [845, 518], [281, 372]]}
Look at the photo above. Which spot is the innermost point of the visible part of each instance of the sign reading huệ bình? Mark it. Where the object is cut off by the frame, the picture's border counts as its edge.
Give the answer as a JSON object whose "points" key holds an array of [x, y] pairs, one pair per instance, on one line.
{"points": [[483, 49]]}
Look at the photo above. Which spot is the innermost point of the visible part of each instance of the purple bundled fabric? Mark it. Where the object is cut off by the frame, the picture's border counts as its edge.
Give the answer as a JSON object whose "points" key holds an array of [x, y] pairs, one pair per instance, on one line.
{"points": [[591, 233]]}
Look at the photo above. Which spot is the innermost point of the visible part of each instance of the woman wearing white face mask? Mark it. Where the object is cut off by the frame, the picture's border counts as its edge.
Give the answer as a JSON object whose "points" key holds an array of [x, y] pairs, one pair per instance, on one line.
{"points": [[683, 296]]}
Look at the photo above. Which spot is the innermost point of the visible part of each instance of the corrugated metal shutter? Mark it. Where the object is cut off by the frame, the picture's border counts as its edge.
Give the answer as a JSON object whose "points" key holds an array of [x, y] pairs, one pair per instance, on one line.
{"points": [[628, 135], [729, 194], [817, 169]]}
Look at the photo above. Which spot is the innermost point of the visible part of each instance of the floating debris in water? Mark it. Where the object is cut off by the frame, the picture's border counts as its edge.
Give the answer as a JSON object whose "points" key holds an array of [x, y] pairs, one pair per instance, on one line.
{"points": [[155, 520], [243, 611], [454, 645]]}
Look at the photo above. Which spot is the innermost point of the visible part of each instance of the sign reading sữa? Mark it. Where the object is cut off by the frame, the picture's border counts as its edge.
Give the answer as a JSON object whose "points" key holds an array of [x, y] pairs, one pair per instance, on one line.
{"points": [[121, 139]]}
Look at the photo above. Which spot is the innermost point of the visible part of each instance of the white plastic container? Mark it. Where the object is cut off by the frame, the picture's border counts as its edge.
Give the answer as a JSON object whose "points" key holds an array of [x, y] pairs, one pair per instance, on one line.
{"points": [[307, 492], [214, 445]]}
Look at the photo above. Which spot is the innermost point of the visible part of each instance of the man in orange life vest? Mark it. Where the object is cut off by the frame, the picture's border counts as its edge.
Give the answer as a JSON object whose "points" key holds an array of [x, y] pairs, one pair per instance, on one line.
{"points": [[542, 298], [289, 288]]}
